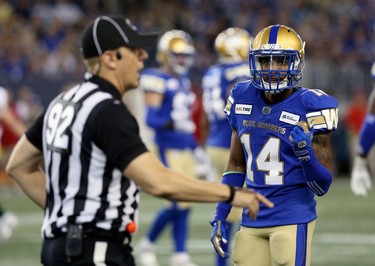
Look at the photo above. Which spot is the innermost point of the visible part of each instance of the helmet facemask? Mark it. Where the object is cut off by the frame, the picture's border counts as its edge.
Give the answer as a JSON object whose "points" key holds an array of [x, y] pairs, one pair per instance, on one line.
{"points": [[276, 59], [277, 70], [180, 63]]}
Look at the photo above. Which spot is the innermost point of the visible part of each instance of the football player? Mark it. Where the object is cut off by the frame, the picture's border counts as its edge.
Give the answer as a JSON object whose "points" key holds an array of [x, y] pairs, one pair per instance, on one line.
{"points": [[360, 181], [232, 48], [8, 220], [280, 146], [169, 100]]}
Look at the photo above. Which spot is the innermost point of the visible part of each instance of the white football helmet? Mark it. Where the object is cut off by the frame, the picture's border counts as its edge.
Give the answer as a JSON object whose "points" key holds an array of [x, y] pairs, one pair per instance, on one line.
{"points": [[176, 50], [232, 45], [276, 59]]}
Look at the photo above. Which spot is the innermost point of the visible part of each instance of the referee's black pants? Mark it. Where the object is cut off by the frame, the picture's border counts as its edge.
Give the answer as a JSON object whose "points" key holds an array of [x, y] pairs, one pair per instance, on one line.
{"points": [[97, 250]]}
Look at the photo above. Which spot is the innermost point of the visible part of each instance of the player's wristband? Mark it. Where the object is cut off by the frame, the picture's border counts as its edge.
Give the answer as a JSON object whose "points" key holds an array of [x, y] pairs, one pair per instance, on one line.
{"points": [[318, 178], [233, 179], [366, 136]]}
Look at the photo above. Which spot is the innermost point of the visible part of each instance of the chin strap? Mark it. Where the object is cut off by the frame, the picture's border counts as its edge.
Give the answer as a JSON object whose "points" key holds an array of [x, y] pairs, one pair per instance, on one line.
{"points": [[275, 88]]}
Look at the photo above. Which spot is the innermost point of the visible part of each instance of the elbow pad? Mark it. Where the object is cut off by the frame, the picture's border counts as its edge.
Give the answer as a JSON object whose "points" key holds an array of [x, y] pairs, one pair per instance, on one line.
{"points": [[366, 136], [318, 178], [234, 179]]}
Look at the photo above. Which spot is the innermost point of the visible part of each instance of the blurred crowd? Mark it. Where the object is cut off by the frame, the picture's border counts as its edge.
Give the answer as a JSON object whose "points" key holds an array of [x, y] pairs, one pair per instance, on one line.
{"points": [[39, 38]]}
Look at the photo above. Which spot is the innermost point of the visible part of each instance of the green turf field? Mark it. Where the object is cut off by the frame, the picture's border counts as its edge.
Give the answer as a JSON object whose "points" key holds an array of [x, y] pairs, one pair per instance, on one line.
{"points": [[345, 233]]}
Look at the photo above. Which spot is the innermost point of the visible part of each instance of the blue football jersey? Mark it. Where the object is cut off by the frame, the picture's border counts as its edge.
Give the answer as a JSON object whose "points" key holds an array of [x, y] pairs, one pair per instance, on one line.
{"points": [[176, 107], [272, 167], [216, 84]]}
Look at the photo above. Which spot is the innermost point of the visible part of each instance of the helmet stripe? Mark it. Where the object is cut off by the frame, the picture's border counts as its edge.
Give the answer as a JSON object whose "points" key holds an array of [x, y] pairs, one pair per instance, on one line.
{"points": [[273, 34]]}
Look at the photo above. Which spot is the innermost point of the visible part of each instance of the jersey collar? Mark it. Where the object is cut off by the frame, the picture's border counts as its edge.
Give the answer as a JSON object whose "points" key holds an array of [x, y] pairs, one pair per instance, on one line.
{"points": [[105, 86]]}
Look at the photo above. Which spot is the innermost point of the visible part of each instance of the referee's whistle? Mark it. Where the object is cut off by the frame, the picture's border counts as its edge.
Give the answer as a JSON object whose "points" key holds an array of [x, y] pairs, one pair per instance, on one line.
{"points": [[131, 227]]}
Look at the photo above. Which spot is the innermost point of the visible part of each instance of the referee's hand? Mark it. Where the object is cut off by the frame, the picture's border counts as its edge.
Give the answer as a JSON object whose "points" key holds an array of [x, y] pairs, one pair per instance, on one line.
{"points": [[248, 198]]}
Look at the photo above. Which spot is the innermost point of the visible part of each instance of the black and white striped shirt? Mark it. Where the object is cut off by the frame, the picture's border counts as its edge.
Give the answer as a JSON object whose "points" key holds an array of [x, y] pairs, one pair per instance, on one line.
{"points": [[88, 137]]}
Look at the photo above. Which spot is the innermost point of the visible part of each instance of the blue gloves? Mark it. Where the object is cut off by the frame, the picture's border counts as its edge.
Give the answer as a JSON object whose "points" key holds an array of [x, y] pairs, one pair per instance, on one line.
{"points": [[317, 176], [219, 237], [301, 139]]}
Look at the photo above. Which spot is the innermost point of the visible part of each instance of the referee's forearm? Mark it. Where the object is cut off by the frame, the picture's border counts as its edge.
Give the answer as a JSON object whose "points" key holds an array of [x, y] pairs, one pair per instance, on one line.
{"points": [[154, 178], [33, 185], [188, 189], [24, 166]]}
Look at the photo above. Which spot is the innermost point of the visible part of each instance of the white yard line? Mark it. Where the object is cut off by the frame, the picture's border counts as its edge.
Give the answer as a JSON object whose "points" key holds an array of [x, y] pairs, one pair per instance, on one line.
{"points": [[348, 239], [32, 219]]}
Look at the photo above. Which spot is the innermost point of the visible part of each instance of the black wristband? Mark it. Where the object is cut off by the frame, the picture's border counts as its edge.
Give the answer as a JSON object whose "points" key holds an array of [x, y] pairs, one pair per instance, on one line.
{"points": [[231, 196]]}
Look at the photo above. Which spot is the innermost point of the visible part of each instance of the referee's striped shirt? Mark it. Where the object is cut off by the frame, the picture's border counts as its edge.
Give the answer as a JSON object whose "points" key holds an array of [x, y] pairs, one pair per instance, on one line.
{"points": [[88, 137]]}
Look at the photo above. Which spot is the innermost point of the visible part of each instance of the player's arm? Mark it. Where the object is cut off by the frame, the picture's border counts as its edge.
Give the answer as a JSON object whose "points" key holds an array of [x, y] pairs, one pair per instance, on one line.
{"points": [[236, 161], [314, 153], [234, 175], [360, 181], [367, 134], [154, 119], [322, 149], [371, 103], [13, 123], [154, 88], [25, 166], [154, 99]]}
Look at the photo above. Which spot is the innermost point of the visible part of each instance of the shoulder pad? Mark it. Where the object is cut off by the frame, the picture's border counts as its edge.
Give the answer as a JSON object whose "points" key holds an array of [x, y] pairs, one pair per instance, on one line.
{"points": [[243, 87], [238, 90], [321, 109], [315, 99], [153, 81], [237, 72]]}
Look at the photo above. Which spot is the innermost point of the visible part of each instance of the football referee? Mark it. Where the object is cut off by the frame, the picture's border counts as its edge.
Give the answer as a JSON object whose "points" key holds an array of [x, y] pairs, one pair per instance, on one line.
{"points": [[83, 160]]}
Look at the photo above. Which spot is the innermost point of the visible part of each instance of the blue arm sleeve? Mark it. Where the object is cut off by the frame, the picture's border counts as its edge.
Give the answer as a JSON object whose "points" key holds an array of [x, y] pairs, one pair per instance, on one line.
{"points": [[235, 179], [366, 136], [318, 178], [155, 120]]}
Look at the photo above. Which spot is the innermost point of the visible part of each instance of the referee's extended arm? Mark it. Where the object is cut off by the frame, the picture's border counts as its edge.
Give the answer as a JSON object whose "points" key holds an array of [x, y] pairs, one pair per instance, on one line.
{"points": [[160, 181], [25, 167]]}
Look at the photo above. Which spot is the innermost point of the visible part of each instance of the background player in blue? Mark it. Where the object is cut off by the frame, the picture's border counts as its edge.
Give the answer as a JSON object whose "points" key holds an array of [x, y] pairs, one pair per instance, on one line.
{"points": [[280, 146], [360, 181], [169, 100], [232, 48]]}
